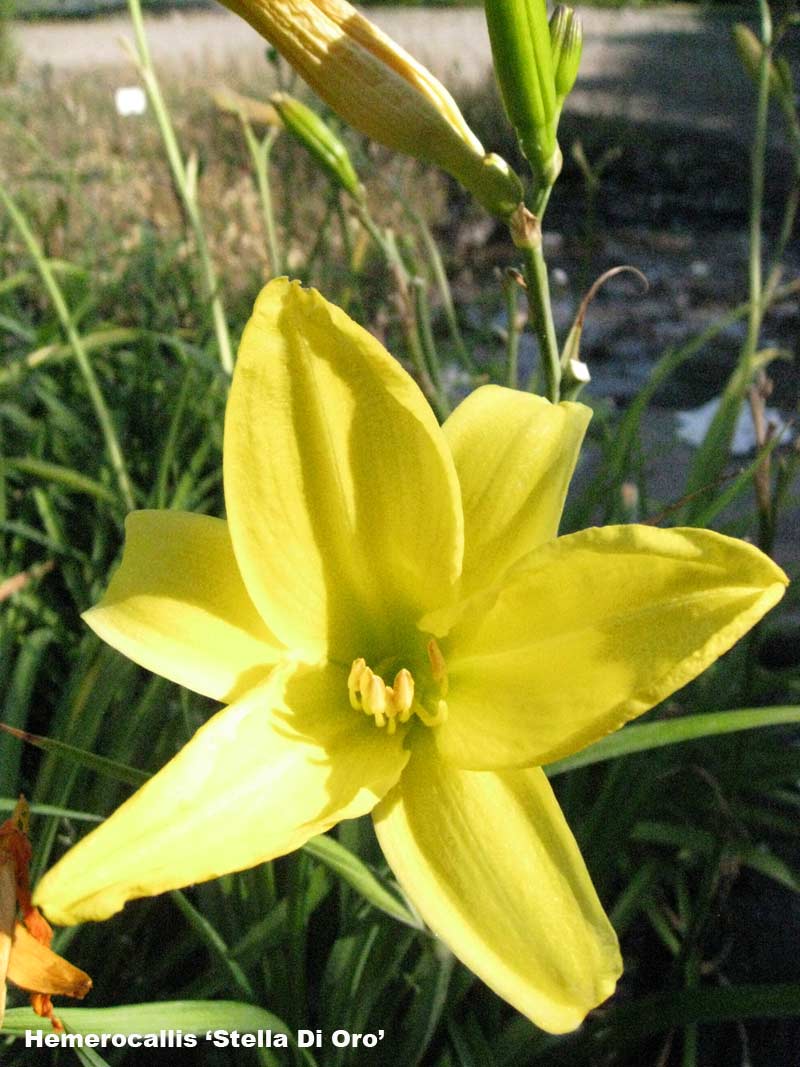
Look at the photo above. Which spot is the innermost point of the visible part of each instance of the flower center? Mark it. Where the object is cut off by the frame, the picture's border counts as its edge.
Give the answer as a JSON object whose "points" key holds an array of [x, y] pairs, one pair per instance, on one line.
{"points": [[396, 703]]}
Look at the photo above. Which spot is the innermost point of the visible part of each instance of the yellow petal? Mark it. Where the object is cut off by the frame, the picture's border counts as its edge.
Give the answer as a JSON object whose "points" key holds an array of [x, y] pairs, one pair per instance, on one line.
{"points": [[514, 454], [287, 761], [490, 863], [342, 497], [593, 630], [177, 606], [37, 969]]}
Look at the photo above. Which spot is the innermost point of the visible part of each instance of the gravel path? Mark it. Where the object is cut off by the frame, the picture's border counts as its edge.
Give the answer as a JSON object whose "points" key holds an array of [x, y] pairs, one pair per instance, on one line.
{"points": [[673, 65]]}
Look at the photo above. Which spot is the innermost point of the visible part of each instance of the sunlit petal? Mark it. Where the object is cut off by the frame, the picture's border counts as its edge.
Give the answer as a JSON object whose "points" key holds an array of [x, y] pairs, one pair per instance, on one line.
{"points": [[595, 629], [37, 969], [514, 454], [342, 497], [490, 863], [177, 606], [287, 761]]}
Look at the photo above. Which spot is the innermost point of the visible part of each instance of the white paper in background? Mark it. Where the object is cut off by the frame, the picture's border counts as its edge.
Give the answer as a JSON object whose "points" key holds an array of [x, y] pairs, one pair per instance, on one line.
{"points": [[693, 426], [130, 100]]}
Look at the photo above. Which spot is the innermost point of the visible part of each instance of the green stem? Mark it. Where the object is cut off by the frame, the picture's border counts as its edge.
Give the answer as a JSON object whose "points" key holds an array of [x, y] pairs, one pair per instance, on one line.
{"points": [[436, 264], [352, 290], [184, 187], [793, 200], [81, 357], [397, 267], [260, 153], [757, 192], [512, 333], [423, 316], [538, 290]]}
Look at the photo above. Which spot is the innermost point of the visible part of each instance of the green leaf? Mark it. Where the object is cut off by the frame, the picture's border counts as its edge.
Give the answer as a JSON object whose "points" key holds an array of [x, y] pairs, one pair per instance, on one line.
{"points": [[771, 866], [9, 803], [63, 476], [90, 1058], [357, 875], [630, 1024], [646, 736], [111, 768], [189, 1016]]}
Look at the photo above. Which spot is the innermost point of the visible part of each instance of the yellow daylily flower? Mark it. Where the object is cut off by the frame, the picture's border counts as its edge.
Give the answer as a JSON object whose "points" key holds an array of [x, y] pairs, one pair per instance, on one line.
{"points": [[396, 630], [381, 90]]}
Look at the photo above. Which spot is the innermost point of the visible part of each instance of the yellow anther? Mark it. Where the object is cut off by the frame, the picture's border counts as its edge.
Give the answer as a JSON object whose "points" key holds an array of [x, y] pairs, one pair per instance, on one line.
{"points": [[403, 693], [438, 667], [373, 696], [389, 705], [353, 681]]}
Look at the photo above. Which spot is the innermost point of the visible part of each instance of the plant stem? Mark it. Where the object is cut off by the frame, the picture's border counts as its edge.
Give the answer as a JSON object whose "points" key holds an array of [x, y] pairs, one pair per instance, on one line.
{"points": [[757, 189], [81, 357], [184, 186], [260, 153], [538, 290], [511, 290], [388, 246]]}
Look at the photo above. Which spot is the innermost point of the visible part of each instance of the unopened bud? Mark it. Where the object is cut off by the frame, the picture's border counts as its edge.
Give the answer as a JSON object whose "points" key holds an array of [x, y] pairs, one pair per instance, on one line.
{"points": [[566, 45], [253, 110], [322, 143], [750, 51], [376, 86], [523, 66]]}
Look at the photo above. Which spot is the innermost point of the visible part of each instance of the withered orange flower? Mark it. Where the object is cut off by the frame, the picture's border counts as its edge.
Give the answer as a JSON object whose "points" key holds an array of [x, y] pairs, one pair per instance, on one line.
{"points": [[26, 958]]}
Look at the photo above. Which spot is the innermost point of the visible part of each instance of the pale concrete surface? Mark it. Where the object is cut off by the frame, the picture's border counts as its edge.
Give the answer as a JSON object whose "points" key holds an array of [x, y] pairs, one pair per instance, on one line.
{"points": [[674, 65]]}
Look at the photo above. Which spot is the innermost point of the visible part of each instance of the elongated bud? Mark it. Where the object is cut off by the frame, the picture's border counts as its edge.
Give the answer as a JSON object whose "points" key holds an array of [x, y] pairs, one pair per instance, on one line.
{"points": [[523, 65], [323, 144], [749, 50], [255, 111], [381, 90], [566, 46]]}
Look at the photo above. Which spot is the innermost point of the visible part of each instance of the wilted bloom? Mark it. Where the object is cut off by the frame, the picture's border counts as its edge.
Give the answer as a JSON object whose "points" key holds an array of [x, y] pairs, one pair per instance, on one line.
{"points": [[396, 630], [381, 90], [25, 955]]}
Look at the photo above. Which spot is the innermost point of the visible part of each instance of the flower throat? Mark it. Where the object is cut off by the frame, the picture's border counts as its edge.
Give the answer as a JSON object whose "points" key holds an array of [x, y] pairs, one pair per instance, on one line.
{"points": [[397, 703]]}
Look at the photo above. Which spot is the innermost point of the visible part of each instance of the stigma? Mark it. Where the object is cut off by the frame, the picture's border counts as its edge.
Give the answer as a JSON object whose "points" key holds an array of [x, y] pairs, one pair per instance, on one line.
{"points": [[391, 704]]}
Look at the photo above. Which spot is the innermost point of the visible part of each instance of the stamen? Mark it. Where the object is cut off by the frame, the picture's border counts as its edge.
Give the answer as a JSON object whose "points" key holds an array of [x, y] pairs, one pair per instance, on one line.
{"points": [[403, 694], [389, 705], [353, 682]]}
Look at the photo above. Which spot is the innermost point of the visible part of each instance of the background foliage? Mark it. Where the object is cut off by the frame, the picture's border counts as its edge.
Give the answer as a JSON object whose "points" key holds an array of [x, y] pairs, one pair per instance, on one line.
{"points": [[111, 387]]}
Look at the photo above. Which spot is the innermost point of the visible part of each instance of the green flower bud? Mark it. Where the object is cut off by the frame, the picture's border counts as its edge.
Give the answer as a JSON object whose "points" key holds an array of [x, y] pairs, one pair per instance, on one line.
{"points": [[566, 44], [323, 144], [523, 66], [749, 50]]}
